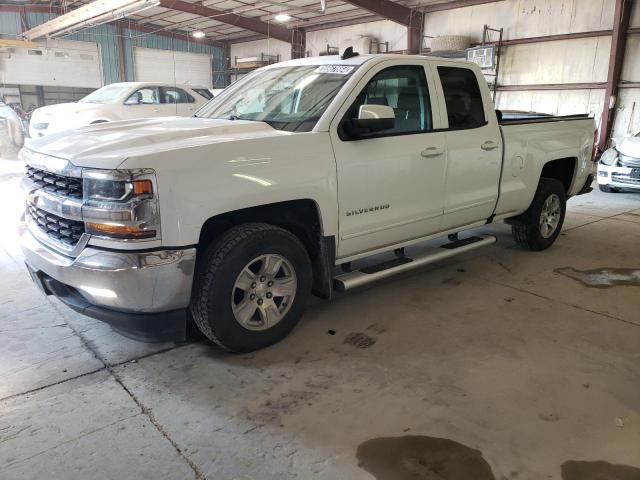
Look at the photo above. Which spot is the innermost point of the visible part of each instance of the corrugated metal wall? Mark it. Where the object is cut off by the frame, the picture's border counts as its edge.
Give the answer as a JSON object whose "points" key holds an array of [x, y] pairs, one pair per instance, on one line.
{"points": [[581, 60], [105, 35], [9, 23]]}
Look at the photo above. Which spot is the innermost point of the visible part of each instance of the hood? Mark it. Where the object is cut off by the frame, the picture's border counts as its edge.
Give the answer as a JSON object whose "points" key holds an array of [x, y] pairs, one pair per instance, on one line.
{"points": [[63, 109], [107, 145], [630, 147]]}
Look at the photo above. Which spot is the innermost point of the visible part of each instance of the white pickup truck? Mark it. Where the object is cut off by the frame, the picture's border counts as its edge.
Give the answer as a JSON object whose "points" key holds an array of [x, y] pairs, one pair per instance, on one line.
{"points": [[296, 179]]}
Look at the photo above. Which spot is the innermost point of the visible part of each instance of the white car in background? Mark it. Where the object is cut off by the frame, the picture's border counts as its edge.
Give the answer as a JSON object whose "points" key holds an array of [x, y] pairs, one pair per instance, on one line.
{"points": [[619, 167], [119, 101]]}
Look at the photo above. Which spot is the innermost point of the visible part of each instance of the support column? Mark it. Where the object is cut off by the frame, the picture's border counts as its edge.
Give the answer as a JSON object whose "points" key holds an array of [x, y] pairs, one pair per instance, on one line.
{"points": [[298, 43], [122, 68], [414, 32], [618, 44], [227, 64]]}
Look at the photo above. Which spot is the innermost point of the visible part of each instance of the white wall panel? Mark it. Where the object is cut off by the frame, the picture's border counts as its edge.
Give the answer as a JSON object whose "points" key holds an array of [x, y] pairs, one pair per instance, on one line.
{"points": [[56, 63], [580, 60], [256, 47], [631, 65], [152, 65], [627, 121], [635, 15], [383, 31], [524, 18]]}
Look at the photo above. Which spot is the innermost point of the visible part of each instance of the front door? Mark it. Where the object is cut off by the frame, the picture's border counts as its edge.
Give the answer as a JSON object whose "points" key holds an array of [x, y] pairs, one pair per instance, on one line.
{"points": [[145, 103], [390, 184]]}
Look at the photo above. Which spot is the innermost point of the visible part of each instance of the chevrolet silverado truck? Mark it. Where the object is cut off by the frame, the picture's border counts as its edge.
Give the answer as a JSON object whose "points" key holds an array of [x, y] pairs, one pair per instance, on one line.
{"points": [[308, 176]]}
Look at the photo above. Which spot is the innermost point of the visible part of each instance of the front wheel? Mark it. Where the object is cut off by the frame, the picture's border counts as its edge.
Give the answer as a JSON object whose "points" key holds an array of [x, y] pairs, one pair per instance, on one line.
{"points": [[540, 225], [251, 287]]}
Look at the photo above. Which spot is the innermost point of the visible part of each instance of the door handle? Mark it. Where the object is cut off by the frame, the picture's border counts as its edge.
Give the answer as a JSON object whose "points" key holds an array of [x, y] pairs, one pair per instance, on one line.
{"points": [[432, 152], [490, 145], [156, 110]]}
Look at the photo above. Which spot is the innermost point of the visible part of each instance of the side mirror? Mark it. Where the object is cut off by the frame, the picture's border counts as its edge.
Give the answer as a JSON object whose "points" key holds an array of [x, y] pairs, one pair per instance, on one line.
{"points": [[132, 100], [375, 118]]}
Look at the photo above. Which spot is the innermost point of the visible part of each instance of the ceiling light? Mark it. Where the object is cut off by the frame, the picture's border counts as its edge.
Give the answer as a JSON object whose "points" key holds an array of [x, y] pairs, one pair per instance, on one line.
{"points": [[198, 34], [282, 17], [89, 15]]}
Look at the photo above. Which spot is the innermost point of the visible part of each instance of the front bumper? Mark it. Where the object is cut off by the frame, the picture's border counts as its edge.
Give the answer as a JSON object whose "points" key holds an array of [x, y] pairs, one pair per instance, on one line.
{"points": [[617, 176], [136, 292]]}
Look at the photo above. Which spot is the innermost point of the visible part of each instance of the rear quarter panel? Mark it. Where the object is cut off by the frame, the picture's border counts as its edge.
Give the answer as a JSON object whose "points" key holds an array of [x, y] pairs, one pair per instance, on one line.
{"points": [[529, 146]]}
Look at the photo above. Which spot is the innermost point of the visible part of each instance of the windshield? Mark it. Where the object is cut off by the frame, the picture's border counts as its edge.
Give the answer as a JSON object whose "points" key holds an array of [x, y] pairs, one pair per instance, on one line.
{"points": [[108, 94], [288, 98]]}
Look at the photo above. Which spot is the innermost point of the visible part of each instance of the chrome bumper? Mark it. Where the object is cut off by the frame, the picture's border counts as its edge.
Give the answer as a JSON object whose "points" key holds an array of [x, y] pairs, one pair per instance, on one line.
{"points": [[133, 282]]}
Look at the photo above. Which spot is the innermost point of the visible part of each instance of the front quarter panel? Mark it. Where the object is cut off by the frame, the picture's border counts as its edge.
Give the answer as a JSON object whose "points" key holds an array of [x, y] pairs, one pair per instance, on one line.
{"points": [[202, 181]]}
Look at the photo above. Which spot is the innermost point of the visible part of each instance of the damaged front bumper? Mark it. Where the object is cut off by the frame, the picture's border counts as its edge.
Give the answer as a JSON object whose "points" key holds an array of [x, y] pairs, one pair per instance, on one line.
{"points": [[143, 294]]}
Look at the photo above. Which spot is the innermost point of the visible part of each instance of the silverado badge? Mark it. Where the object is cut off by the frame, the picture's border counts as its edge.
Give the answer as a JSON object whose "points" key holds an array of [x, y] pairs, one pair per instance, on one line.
{"points": [[360, 211]]}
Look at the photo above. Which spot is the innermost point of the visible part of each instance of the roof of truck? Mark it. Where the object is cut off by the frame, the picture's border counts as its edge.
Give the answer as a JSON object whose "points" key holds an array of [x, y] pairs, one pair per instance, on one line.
{"points": [[357, 60]]}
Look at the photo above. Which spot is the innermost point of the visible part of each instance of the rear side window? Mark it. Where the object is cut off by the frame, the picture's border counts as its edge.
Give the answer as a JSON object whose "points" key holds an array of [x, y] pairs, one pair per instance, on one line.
{"points": [[463, 98], [176, 95]]}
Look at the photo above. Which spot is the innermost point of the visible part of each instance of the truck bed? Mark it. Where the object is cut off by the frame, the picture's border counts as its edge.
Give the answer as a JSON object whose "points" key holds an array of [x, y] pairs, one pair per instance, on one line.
{"points": [[517, 118]]}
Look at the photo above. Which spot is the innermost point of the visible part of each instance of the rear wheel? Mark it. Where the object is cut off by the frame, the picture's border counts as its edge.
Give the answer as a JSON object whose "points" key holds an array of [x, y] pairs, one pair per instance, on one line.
{"points": [[539, 227], [608, 189], [251, 287]]}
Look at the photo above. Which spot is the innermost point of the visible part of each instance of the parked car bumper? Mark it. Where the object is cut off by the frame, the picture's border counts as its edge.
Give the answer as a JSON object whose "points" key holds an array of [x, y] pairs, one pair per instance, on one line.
{"points": [[141, 294], [619, 177]]}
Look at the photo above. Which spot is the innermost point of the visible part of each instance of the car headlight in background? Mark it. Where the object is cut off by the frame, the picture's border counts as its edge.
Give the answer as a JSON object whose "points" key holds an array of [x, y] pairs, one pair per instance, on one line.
{"points": [[121, 204], [609, 157]]}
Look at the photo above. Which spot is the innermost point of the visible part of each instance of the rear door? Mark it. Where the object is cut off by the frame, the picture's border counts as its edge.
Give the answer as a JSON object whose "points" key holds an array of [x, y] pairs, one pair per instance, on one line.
{"points": [[182, 103], [390, 184], [474, 145]]}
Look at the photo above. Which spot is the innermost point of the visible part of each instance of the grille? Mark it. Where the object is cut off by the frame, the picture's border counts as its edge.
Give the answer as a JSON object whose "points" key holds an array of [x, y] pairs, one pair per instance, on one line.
{"points": [[629, 161], [56, 184], [62, 229], [616, 177]]}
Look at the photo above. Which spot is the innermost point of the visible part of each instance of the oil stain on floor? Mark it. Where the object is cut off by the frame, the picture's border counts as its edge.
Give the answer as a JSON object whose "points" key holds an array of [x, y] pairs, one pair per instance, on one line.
{"points": [[422, 458], [603, 277], [573, 470]]}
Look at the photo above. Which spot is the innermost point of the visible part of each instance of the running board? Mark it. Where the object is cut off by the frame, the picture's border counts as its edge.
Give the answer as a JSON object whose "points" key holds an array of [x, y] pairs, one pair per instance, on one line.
{"points": [[357, 278]]}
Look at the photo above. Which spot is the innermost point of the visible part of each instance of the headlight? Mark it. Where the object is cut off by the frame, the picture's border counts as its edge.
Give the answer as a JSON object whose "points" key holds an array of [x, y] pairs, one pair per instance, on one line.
{"points": [[609, 157], [121, 204]]}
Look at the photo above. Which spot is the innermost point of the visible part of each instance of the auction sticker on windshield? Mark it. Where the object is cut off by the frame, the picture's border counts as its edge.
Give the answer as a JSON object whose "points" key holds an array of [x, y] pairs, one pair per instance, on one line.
{"points": [[339, 69]]}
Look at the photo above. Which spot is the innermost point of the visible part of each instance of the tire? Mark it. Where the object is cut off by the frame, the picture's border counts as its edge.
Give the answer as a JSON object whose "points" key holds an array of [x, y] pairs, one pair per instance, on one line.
{"points": [[237, 258], [529, 230], [608, 189]]}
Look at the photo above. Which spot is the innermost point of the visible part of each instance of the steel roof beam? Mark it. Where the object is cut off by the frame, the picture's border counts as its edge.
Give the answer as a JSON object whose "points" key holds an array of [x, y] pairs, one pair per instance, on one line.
{"points": [[412, 19], [621, 18], [273, 31]]}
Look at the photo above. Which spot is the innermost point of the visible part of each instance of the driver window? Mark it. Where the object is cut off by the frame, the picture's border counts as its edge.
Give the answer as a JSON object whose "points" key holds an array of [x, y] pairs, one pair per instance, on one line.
{"points": [[144, 96], [404, 88]]}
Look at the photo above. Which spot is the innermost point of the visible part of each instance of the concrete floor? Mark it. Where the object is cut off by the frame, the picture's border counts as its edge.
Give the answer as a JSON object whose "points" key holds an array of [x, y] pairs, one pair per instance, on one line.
{"points": [[491, 366]]}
